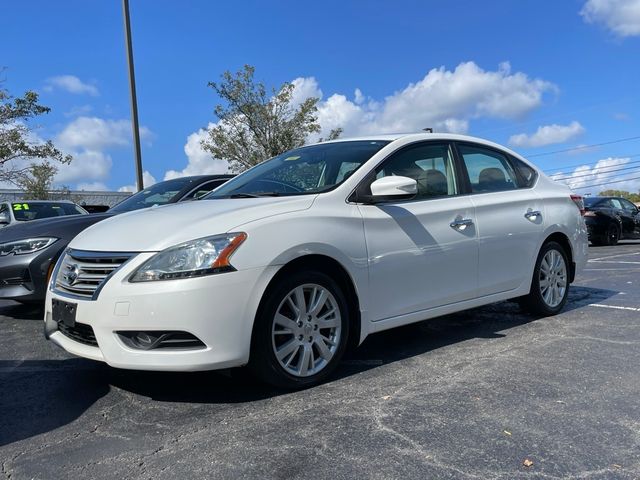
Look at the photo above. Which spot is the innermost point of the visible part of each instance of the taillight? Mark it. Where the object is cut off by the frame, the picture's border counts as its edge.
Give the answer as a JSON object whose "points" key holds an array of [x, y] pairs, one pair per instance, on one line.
{"points": [[577, 199]]}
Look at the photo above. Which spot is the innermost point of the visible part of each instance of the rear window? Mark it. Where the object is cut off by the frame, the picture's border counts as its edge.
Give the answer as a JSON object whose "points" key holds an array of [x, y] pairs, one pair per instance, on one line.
{"points": [[25, 211]]}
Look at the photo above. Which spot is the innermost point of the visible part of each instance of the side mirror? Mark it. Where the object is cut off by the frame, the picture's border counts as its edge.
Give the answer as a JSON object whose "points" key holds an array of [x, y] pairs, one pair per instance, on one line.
{"points": [[4, 219], [393, 188]]}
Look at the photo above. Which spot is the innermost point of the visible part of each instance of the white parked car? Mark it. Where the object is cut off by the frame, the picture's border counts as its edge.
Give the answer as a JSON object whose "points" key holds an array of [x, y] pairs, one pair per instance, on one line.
{"points": [[285, 266]]}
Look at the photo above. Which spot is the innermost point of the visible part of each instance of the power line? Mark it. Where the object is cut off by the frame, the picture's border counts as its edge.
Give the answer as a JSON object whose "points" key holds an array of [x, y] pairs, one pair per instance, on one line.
{"points": [[590, 163], [598, 171], [582, 147], [606, 183]]}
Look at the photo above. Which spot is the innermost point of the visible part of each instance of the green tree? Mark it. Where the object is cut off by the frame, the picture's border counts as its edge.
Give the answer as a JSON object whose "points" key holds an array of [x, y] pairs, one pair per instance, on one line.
{"points": [[633, 197], [257, 124], [18, 143], [37, 181]]}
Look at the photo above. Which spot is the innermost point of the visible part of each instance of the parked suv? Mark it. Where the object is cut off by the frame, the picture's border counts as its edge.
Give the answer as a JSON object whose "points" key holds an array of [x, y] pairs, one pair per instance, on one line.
{"points": [[610, 219], [287, 264]]}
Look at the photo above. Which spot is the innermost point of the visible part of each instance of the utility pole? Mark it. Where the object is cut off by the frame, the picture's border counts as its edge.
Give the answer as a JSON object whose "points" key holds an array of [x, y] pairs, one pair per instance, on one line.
{"points": [[134, 102]]}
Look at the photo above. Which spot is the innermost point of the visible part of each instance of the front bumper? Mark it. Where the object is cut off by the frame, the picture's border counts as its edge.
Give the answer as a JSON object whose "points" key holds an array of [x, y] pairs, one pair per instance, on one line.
{"points": [[218, 309], [24, 277]]}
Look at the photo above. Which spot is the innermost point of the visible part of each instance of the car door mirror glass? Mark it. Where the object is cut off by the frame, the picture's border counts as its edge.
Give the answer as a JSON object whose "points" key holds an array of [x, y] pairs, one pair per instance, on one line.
{"points": [[393, 188], [4, 218]]}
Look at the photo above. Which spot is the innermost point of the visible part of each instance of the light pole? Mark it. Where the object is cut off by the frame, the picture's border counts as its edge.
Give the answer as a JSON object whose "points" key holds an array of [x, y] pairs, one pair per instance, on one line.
{"points": [[134, 101]]}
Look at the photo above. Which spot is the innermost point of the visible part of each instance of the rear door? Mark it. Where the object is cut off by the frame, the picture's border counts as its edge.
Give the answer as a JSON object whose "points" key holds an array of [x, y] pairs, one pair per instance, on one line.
{"points": [[509, 216], [422, 253]]}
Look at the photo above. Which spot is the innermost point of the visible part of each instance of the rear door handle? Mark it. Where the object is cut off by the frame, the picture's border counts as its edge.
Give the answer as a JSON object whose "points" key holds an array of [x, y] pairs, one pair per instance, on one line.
{"points": [[461, 224], [533, 215]]}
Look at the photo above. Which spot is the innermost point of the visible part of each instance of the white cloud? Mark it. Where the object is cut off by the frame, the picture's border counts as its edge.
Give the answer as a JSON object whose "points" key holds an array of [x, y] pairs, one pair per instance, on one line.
{"points": [[445, 100], [199, 161], [71, 84], [95, 133], [86, 166], [604, 172], [622, 17], [92, 187], [304, 87], [548, 135], [147, 179]]}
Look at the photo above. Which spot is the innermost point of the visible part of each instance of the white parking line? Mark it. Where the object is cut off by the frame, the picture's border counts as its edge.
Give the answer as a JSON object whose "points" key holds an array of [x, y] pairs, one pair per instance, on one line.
{"points": [[614, 307], [614, 256]]}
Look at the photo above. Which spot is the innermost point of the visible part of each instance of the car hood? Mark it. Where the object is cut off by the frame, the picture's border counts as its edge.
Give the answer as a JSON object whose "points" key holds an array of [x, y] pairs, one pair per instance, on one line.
{"points": [[156, 228], [65, 227]]}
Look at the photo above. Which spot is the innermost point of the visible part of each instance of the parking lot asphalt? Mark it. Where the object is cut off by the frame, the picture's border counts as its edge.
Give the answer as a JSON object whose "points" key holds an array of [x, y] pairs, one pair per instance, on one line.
{"points": [[477, 394]]}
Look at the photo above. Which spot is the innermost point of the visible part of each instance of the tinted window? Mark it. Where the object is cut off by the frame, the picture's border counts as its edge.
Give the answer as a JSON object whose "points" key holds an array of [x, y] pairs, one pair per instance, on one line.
{"points": [[430, 165], [202, 190], [25, 211], [305, 170], [158, 194], [527, 174], [616, 203], [628, 206], [489, 171]]}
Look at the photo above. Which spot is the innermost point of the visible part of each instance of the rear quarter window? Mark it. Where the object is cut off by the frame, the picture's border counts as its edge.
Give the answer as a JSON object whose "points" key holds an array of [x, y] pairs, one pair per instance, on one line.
{"points": [[527, 175]]}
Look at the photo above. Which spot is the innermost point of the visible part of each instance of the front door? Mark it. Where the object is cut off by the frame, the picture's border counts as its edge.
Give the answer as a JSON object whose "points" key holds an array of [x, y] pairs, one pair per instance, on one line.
{"points": [[422, 253]]}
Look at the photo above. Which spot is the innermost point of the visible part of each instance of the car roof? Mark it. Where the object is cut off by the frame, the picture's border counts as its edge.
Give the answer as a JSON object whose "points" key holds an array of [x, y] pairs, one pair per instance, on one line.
{"points": [[418, 136]]}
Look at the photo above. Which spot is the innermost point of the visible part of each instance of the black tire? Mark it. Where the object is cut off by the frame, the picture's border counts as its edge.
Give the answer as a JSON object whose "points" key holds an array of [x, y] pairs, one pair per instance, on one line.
{"points": [[612, 236], [534, 302], [263, 362]]}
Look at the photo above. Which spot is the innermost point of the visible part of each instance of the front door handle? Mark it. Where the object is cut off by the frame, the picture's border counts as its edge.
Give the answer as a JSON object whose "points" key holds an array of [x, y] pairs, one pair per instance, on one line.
{"points": [[461, 223], [533, 215]]}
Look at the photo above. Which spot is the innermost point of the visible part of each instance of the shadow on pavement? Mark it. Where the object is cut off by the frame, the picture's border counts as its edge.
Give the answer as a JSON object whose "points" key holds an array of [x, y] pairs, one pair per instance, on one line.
{"points": [[27, 311], [48, 394], [38, 396]]}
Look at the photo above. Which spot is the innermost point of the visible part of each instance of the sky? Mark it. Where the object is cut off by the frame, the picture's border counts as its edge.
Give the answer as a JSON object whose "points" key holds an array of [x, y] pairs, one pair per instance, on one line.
{"points": [[557, 81]]}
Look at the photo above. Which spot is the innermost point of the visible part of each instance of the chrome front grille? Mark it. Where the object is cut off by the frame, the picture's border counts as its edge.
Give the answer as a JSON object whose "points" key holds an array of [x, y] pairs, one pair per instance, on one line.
{"points": [[82, 274]]}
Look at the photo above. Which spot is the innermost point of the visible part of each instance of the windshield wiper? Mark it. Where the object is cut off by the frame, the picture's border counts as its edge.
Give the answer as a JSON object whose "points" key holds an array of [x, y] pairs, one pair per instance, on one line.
{"points": [[254, 195]]}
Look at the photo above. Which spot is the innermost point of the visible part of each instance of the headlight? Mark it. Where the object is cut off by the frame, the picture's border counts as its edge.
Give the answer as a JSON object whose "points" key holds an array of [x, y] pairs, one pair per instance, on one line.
{"points": [[28, 245], [204, 256]]}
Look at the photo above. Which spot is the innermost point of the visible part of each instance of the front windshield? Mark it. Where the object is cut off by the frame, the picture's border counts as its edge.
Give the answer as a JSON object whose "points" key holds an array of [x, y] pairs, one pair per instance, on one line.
{"points": [[305, 170], [158, 194], [25, 211]]}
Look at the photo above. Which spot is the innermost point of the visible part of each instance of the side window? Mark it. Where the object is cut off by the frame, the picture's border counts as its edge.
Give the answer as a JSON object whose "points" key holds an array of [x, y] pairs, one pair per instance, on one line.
{"points": [[203, 189], [346, 169], [430, 165], [527, 174], [489, 171], [616, 203], [628, 206]]}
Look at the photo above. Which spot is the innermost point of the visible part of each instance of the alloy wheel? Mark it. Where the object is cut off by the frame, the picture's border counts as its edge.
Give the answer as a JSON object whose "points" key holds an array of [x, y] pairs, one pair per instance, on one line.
{"points": [[306, 330], [553, 278]]}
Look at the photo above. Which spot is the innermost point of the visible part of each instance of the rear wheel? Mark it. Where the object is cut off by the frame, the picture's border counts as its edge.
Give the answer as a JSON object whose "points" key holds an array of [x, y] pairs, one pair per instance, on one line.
{"points": [[613, 235], [301, 331], [550, 283]]}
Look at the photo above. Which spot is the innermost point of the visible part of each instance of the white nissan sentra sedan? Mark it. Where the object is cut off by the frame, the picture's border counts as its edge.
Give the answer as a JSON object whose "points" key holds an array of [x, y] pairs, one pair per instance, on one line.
{"points": [[285, 266]]}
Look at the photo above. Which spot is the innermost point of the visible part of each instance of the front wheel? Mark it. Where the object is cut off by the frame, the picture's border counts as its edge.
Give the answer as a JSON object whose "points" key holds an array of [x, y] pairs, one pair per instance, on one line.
{"points": [[550, 283], [301, 331]]}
